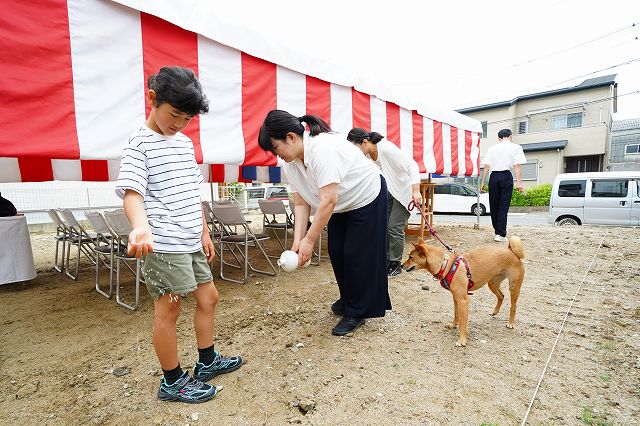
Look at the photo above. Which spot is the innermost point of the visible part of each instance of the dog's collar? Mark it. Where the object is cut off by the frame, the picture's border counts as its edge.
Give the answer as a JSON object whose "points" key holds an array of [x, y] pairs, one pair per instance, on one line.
{"points": [[443, 267]]}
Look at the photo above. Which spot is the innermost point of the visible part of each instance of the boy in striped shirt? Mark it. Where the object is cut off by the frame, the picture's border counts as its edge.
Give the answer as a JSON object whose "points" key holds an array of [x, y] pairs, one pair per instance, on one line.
{"points": [[160, 183]]}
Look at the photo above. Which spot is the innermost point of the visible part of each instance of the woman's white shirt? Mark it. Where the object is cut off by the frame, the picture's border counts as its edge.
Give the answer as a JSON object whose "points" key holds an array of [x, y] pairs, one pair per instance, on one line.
{"points": [[330, 158], [399, 170]]}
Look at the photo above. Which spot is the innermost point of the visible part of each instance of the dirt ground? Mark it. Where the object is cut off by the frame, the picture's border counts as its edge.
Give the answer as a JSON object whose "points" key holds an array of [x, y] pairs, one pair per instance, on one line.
{"points": [[61, 343]]}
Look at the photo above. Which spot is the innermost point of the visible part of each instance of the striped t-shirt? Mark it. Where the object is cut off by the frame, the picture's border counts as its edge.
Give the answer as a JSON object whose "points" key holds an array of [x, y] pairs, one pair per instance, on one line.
{"points": [[164, 171]]}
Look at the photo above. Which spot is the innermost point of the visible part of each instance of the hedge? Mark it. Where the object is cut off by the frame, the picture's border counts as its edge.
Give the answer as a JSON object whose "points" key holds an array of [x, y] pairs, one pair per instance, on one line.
{"points": [[536, 196]]}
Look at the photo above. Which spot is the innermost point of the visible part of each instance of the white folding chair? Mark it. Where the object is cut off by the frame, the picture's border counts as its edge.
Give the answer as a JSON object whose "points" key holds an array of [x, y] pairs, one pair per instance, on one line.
{"points": [[78, 237], [230, 215], [61, 238], [121, 227]]}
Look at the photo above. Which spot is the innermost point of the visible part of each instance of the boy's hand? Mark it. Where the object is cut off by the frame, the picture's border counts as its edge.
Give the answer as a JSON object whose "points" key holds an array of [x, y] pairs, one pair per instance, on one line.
{"points": [[208, 247], [140, 242]]}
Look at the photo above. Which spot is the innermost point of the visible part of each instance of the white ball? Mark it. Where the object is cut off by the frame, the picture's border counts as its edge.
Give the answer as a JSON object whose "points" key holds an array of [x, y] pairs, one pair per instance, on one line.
{"points": [[288, 261]]}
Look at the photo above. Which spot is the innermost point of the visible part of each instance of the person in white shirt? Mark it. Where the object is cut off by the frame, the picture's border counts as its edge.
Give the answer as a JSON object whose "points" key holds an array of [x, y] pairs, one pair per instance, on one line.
{"points": [[501, 159], [349, 194], [403, 180]]}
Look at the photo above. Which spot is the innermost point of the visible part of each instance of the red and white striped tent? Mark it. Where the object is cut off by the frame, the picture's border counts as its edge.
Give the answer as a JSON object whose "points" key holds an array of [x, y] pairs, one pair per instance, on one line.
{"points": [[73, 80]]}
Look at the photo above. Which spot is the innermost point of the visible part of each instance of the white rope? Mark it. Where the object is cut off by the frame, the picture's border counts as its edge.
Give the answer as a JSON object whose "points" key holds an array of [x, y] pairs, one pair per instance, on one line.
{"points": [[566, 315]]}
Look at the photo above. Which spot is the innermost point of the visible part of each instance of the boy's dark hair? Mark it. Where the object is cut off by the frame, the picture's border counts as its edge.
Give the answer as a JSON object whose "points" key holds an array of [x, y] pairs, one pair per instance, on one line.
{"points": [[180, 88], [504, 133], [278, 123], [358, 135]]}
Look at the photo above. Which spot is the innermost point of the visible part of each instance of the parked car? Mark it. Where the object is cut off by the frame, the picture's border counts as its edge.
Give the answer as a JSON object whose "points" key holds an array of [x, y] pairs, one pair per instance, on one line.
{"points": [[603, 198], [276, 193], [459, 198]]}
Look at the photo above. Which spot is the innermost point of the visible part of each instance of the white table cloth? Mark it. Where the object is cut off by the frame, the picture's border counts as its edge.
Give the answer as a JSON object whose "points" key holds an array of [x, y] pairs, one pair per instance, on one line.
{"points": [[16, 257]]}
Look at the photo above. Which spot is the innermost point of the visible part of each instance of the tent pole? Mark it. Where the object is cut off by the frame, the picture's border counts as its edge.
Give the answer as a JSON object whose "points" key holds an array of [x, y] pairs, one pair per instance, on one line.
{"points": [[477, 224]]}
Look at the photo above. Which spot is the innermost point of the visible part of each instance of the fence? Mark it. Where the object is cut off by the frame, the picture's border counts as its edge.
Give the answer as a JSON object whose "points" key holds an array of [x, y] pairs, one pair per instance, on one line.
{"points": [[35, 199]]}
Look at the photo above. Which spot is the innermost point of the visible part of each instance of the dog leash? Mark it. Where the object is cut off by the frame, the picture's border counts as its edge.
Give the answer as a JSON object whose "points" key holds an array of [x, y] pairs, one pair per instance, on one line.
{"points": [[432, 231]]}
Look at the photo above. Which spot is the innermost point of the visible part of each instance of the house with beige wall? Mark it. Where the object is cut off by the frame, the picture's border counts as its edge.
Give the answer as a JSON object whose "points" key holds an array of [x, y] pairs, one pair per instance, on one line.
{"points": [[624, 151], [561, 131]]}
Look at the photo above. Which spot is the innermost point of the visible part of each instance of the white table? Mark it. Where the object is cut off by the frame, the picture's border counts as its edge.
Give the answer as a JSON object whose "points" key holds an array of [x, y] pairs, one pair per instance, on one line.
{"points": [[16, 257]]}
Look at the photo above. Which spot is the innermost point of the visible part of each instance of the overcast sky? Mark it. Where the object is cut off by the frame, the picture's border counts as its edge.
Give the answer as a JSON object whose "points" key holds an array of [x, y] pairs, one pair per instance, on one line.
{"points": [[459, 53]]}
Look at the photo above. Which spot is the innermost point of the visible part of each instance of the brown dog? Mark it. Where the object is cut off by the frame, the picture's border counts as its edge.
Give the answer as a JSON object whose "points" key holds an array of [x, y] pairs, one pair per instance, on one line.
{"points": [[488, 264]]}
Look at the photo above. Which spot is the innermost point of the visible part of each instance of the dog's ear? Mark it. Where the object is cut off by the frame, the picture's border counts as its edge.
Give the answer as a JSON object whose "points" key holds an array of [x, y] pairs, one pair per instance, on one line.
{"points": [[422, 249]]}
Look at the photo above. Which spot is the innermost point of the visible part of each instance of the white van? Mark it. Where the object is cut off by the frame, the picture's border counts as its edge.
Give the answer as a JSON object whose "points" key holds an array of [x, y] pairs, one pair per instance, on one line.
{"points": [[603, 198]]}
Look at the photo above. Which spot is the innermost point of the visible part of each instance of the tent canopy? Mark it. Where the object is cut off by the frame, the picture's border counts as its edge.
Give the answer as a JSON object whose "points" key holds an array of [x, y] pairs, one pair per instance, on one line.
{"points": [[73, 88]]}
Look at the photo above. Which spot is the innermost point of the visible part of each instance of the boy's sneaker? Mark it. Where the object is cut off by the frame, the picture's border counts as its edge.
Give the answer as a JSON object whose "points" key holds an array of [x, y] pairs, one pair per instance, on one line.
{"points": [[220, 365], [395, 269], [186, 389], [500, 238]]}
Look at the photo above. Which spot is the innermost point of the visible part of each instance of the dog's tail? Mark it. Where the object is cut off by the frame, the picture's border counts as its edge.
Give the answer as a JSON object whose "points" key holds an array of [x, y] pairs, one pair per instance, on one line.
{"points": [[515, 245]]}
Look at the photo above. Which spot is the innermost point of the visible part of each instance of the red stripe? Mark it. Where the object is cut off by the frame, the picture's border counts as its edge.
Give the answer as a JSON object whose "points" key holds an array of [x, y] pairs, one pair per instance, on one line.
{"points": [[468, 163], [361, 104], [319, 98], [454, 150], [258, 98], [35, 169], [216, 173], [164, 44], [393, 123], [418, 140], [437, 146], [95, 170], [37, 115], [478, 158]]}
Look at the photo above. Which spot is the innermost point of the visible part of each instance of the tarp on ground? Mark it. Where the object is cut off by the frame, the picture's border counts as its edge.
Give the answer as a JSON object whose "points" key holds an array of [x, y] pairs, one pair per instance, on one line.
{"points": [[73, 86]]}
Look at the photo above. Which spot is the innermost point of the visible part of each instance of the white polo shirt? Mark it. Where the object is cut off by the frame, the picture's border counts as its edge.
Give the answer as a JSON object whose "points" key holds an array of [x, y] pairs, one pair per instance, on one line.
{"points": [[400, 171], [330, 158], [503, 156]]}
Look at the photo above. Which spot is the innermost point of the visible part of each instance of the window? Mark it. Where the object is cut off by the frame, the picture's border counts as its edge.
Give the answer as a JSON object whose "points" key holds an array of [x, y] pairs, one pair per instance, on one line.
{"points": [[442, 189], [572, 188], [565, 121], [529, 170], [613, 188], [522, 127], [632, 149], [484, 129], [457, 190]]}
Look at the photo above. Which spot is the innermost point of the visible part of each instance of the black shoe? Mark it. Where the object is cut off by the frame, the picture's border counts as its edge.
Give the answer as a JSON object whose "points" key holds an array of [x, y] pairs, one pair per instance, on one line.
{"points": [[337, 307], [347, 325], [395, 269]]}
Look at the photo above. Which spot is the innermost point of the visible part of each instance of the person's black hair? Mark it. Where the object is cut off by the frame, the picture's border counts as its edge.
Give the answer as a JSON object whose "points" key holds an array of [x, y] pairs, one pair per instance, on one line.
{"points": [[180, 88], [278, 123], [504, 133], [358, 135]]}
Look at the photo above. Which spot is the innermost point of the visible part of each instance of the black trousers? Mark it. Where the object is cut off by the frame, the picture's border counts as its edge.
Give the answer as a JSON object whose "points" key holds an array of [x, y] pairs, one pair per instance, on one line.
{"points": [[357, 243], [500, 192]]}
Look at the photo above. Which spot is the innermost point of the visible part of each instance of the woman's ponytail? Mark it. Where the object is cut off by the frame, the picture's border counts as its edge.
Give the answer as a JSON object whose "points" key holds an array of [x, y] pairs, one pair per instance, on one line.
{"points": [[358, 135], [375, 137], [316, 124]]}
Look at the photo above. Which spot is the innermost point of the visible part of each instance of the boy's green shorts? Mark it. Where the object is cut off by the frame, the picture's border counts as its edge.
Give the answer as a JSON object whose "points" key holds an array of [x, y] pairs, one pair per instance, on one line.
{"points": [[177, 273]]}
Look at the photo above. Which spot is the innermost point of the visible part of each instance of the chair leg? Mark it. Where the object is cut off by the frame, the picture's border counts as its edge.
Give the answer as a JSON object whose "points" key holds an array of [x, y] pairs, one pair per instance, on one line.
{"points": [[258, 245], [223, 262], [98, 289], [137, 274], [55, 262], [70, 275]]}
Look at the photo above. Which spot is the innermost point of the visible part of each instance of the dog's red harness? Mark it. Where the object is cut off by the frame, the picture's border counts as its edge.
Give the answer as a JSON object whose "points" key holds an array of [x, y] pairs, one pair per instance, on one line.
{"points": [[445, 281]]}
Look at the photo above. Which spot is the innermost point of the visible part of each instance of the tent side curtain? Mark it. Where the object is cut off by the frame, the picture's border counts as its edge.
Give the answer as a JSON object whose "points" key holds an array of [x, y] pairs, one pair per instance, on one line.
{"points": [[74, 90]]}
